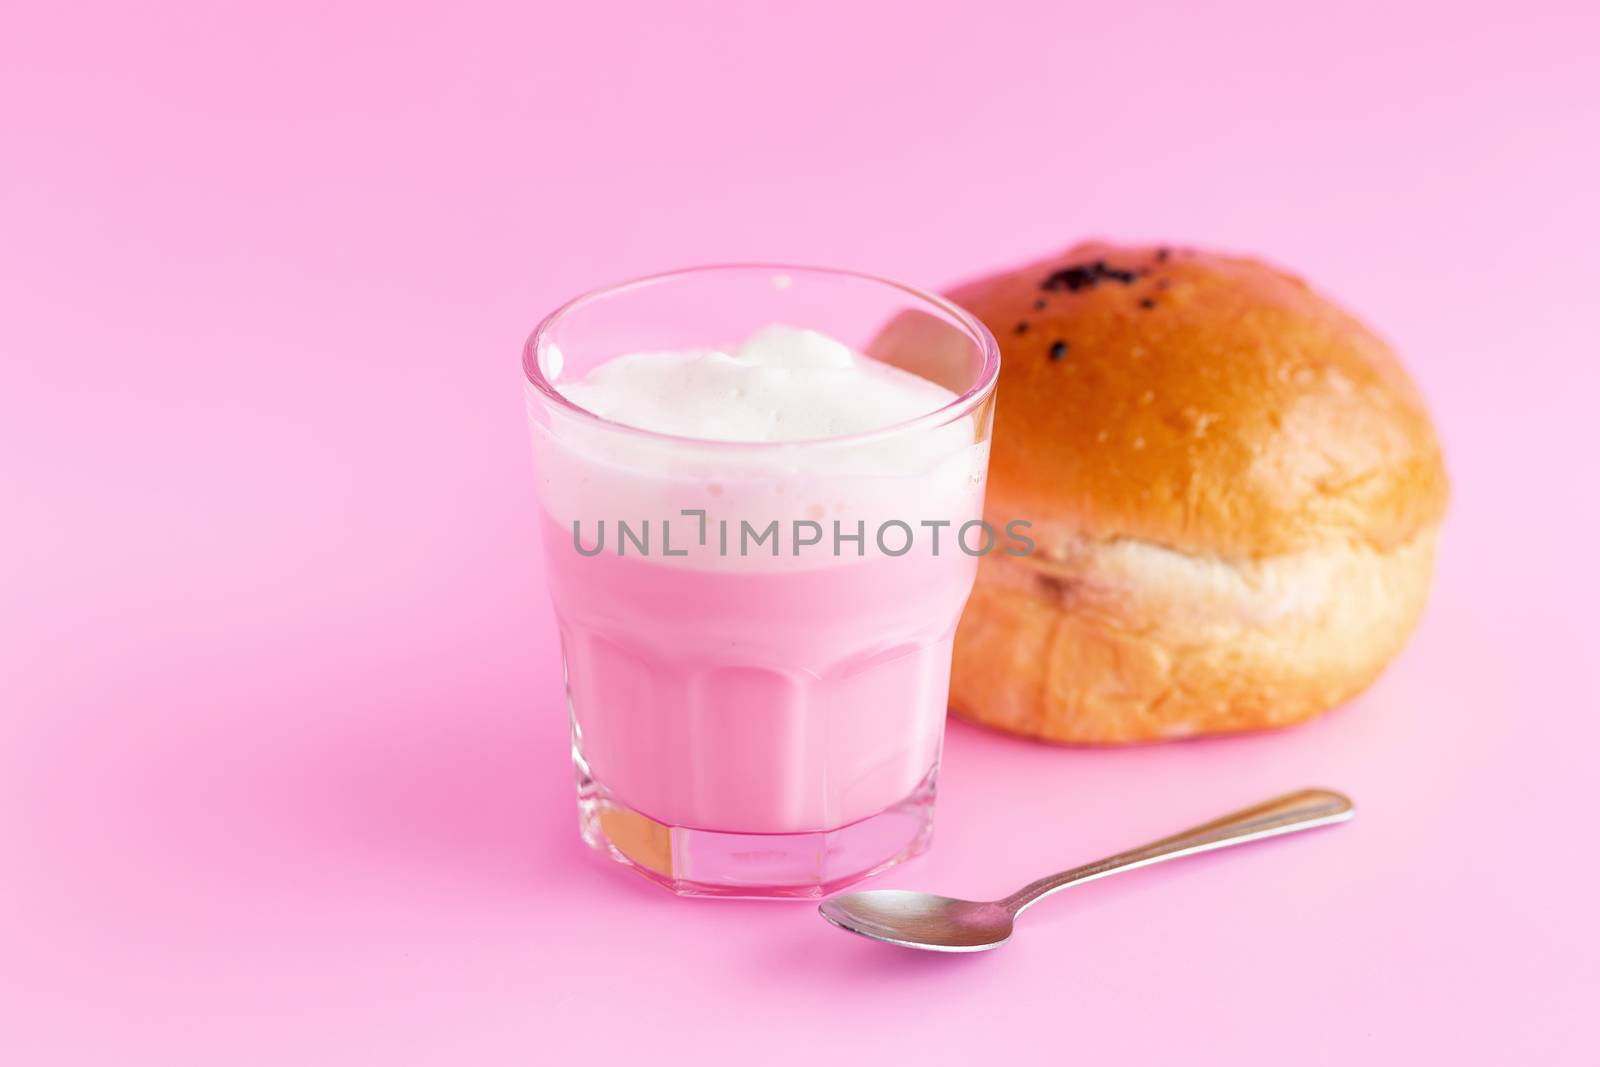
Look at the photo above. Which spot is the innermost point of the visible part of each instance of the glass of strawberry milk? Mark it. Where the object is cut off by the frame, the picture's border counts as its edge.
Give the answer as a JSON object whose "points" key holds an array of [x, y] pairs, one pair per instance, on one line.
{"points": [[761, 493]]}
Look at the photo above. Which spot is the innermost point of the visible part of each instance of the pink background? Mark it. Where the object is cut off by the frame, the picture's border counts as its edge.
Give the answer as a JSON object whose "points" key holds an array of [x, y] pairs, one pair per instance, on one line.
{"points": [[283, 769]]}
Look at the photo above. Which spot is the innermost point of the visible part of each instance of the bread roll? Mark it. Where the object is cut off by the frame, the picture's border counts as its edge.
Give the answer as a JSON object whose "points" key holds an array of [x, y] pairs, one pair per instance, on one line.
{"points": [[1235, 493]]}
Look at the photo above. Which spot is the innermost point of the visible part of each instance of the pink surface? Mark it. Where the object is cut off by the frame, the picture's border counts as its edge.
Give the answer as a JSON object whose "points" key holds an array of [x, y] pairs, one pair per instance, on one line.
{"points": [[282, 756]]}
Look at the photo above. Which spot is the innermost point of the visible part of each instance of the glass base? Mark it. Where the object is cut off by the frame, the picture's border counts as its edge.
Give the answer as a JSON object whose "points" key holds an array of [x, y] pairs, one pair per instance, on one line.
{"points": [[711, 863]]}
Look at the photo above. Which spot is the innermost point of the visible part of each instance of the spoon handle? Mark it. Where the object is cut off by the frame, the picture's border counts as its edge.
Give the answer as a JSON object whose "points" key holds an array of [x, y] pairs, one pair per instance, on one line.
{"points": [[1295, 811]]}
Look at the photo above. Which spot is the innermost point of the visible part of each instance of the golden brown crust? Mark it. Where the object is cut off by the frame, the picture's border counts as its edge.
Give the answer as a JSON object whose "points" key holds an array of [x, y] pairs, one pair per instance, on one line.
{"points": [[1235, 493], [1200, 401]]}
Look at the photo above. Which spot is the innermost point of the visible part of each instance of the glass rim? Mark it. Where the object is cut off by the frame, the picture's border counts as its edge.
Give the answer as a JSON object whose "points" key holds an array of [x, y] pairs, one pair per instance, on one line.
{"points": [[962, 405]]}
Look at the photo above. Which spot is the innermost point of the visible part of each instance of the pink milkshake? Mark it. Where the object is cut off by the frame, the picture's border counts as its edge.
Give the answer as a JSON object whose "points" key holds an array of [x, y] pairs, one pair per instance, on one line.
{"points": [[758, 552]]}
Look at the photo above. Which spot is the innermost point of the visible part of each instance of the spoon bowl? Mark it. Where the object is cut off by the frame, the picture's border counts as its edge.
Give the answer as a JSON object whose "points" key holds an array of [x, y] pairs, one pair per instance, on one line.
{"points": [[921, 920]]}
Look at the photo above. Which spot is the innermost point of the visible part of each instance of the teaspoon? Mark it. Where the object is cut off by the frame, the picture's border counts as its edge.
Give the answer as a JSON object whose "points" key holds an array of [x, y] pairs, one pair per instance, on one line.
{"points": [[944, 924]]}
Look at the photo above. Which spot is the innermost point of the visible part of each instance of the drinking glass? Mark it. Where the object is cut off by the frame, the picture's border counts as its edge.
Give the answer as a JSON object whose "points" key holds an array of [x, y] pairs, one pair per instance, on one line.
{"points": [[760, 720]]}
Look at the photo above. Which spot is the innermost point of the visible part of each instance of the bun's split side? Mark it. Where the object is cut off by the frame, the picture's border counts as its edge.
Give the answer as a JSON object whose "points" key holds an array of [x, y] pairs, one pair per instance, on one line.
{"points": [[1235, 493]]}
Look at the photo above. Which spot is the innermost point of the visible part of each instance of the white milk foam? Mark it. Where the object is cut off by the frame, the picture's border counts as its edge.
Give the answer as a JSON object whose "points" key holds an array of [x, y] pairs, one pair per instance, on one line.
{"points": [[782, 384], [781, 387]]}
